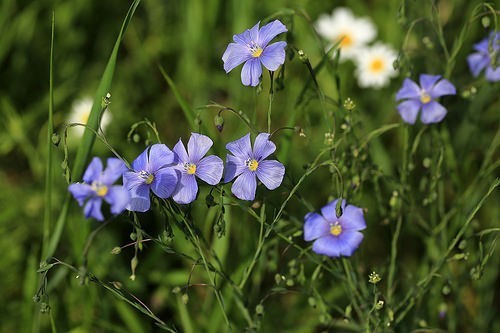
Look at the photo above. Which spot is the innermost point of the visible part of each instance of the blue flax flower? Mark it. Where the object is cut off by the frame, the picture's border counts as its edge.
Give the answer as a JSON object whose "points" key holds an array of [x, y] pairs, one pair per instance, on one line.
{"points": [[98, 185], [251, 47], [423, 98], [334, 235], [247, 165], [487, 56], [152, 169], [192, 164]]}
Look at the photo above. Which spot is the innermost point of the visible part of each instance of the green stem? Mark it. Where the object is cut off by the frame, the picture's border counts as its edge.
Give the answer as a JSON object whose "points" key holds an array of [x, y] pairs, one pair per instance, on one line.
{"points": [[395, 237], [256, 256], [47, 219], [205, 264], [271, 98]]}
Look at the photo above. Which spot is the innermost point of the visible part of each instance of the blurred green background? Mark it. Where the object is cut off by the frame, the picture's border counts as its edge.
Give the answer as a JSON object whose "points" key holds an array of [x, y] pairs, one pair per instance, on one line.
{"points": [[188, 39]]}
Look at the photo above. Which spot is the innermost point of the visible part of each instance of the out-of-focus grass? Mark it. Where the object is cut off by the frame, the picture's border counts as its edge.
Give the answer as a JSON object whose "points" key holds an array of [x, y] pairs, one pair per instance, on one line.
{"points": [[187, 38]]}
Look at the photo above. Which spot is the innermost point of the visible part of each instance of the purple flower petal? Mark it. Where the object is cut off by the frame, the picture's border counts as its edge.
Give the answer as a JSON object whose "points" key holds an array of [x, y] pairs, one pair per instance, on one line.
{"points": [[142, 161], [269, 31], [315, 227], [328, 246], [443, 87], [241, 147], [118, 198], [244, 186], [198, 146], [81, 192], [270, 173], [234, 167], [432, 112], [352, 218], [477, 62], [251, 72], [493, 75], [427, 81], [235, 55], [186, 189], [343, 245], [209, 169], [164, 182], [273, 56], [139, 199], [263, 147], [409, 110], [93, 209], [349, 241], [482, 46], [249, 36], [329, 211], [409, 90], [132, 180], [181, 152], [159, 157], [114, 170], [93, 171]]}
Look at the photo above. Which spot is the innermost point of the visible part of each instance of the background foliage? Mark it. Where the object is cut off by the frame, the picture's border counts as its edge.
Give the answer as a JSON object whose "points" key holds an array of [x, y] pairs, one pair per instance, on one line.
{"points": [[424, 189]]}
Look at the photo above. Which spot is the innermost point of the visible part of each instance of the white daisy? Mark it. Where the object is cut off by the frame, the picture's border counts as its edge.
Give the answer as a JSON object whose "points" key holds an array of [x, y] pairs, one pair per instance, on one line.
{"points": [[342, 26], [80, 114], [375, 65]]}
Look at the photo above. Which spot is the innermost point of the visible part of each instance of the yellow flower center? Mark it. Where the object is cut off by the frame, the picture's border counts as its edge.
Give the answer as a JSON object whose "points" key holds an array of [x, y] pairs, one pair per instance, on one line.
{"points": [[190, 168], [100, 189], [376, 65], [257, 51], [84, 117], [425, 98], [252, 165], [148, 177], [345, 40], [336, 229]]}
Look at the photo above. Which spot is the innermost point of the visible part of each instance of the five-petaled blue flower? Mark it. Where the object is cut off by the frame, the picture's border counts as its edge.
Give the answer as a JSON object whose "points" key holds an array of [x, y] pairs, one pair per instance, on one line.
{"points": [[98, 185], [334, 235], [152, 169], [192, 164], [423, 98], [487, 56], [251, 47], [247, 165]]}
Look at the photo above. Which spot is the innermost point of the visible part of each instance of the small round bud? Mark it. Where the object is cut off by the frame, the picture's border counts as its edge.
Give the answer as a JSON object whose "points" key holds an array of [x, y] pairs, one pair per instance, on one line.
{"points": [[302, 56], [259, 310], [349, 104], [379, 305], [185, 298], [116, 250], [219, 122], [136, 138], [485, 21], [56, 139], [374, 278]]}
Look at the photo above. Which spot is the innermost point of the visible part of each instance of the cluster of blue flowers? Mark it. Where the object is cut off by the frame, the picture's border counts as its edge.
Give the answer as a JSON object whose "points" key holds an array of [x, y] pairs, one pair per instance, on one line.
{"points": [[173, 173], [169, 173]]}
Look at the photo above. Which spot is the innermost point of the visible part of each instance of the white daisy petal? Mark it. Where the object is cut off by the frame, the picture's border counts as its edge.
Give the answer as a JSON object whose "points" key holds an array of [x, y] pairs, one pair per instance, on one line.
{"points": [[344, 28], [375, 66]]}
